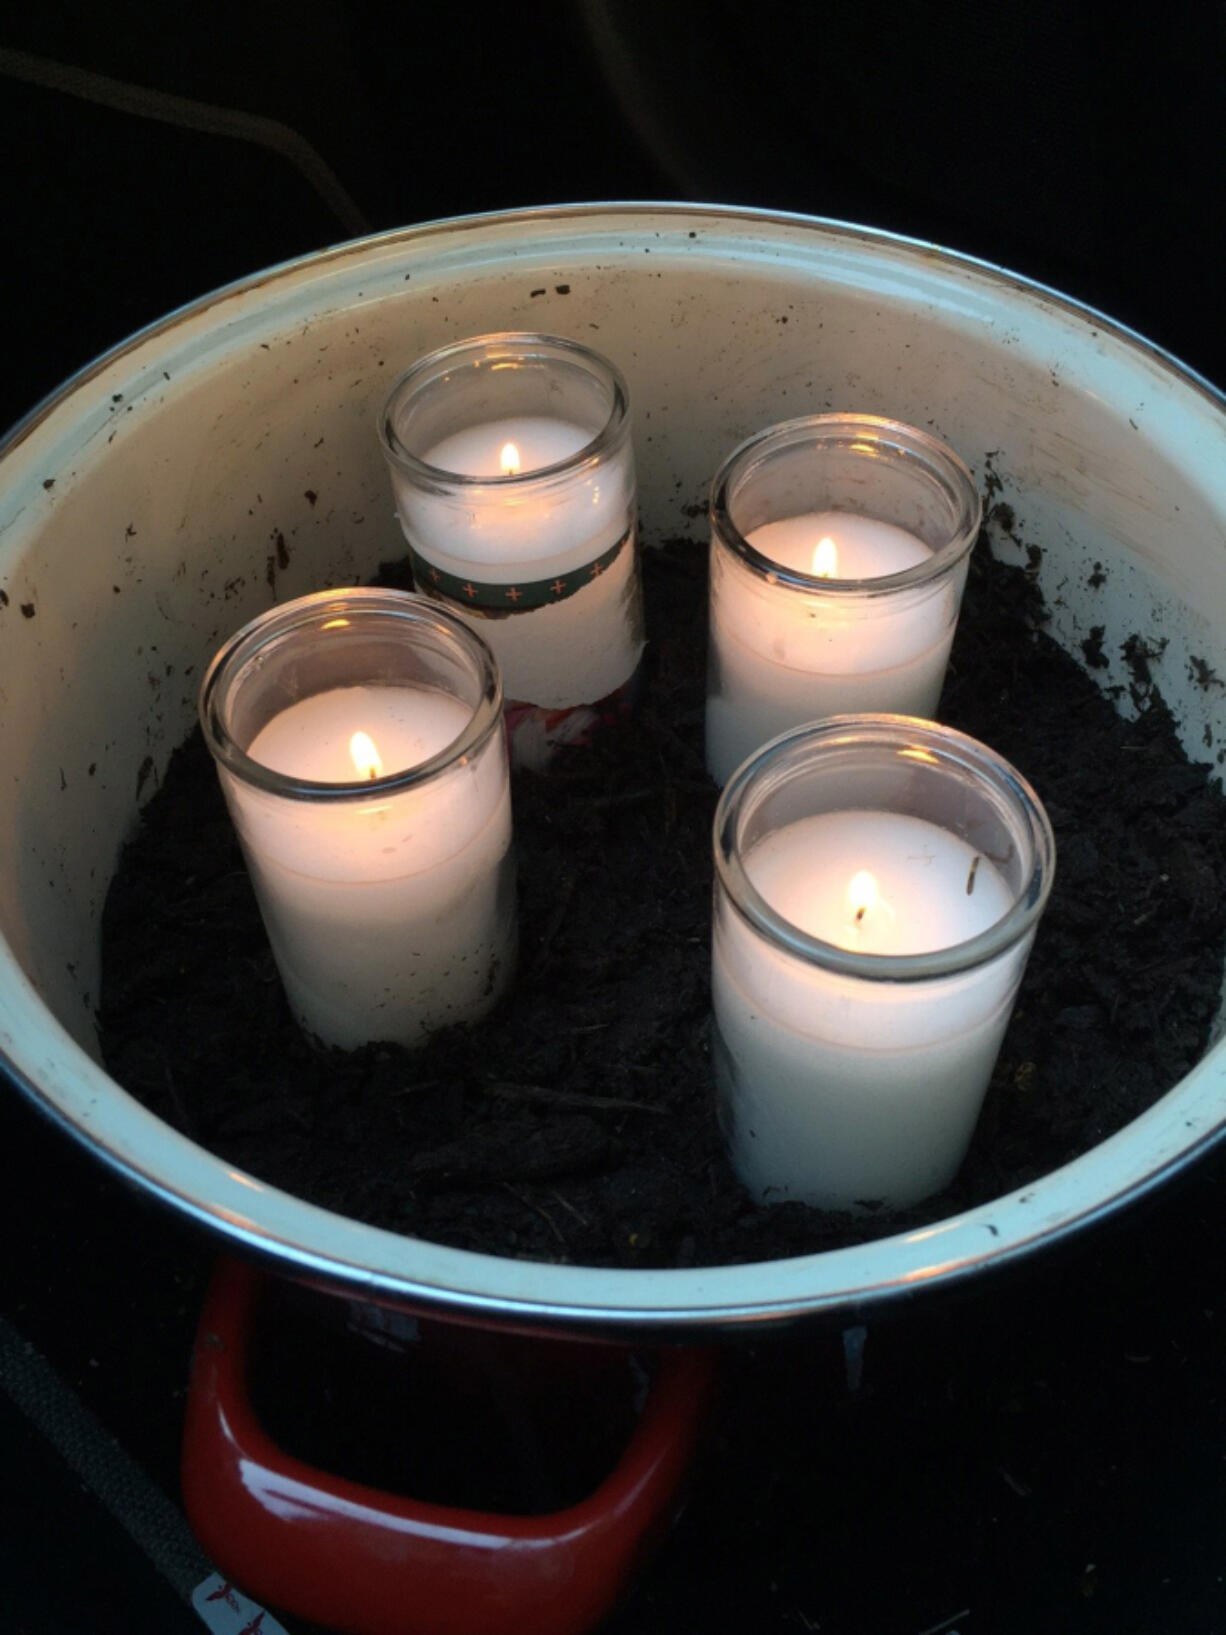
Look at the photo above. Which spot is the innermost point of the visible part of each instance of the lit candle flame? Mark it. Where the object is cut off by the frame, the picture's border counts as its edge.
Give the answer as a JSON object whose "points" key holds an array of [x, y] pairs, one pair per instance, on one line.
{"points": [[365, 756], [508, 459], [825, 558], [862, 895]]}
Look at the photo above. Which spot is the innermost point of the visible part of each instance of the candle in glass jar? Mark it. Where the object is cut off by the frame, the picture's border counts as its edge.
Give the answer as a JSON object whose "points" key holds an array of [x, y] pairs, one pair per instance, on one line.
{"points": [[838, 608], [866, 957], [784, 656], [856, 1093], [520, 519], [385, 914], [488, 548], [375, 818]]}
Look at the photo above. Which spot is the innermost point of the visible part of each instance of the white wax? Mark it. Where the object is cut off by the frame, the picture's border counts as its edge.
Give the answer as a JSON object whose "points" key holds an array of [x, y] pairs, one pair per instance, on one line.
{"points": [[840, 1091], [579, 649], [919, 902], [780, 656], [389, 916], [311, 739], [863, 547], [477, 451]]}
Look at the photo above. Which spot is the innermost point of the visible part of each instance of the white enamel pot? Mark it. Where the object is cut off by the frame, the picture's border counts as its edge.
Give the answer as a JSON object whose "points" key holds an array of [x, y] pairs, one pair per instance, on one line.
{"points": [[140, 513]]}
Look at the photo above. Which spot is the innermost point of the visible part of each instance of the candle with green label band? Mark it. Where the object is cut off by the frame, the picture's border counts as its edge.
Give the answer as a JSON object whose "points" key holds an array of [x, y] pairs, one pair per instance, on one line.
{"points": [[866, 957], [374, 813], [514, 482]]}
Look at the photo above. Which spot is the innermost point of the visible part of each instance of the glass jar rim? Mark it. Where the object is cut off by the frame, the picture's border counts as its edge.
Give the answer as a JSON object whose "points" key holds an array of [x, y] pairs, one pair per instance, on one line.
{"points": [[311, 611], [513, 343], [771, 763], [919, 444]]}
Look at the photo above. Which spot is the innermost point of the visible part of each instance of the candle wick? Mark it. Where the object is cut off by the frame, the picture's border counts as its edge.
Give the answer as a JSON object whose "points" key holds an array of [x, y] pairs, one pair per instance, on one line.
{"points": [[373, 774], [860, 913], [970, 879]]}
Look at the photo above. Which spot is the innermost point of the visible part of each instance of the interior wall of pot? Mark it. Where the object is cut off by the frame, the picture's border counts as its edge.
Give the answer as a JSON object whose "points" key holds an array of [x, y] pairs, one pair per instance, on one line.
{"points": [[229, 460]]}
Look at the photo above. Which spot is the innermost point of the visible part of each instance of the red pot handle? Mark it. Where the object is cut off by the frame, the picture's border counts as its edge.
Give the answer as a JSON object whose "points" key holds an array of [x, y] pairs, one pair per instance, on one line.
{"points": [[365, 1562]]}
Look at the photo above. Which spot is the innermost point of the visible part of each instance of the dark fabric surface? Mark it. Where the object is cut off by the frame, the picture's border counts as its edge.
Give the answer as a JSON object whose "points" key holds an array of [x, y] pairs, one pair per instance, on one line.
{"points": [[65, 1563]]}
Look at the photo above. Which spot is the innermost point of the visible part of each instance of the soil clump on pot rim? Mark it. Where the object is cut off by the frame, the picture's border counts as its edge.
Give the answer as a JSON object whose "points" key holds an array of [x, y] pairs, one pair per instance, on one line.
{"points": [[577, 1123]]}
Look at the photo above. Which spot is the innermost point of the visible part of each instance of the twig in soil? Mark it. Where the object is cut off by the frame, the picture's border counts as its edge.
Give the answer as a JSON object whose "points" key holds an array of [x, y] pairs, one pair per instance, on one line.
{"points": [[573, 1098], [570, 1098], [565, 894], [294, 1111], [625, 797], [1174, 966], [536, 1210], [664, 734], [412, 1089], [954, 1617], [570, 1208]]}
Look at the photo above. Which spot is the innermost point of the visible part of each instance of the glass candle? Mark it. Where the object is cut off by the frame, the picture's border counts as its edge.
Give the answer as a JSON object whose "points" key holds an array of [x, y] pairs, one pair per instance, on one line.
{"points": [[513, 474], [879, 880], [358, 738], [839, 549]]}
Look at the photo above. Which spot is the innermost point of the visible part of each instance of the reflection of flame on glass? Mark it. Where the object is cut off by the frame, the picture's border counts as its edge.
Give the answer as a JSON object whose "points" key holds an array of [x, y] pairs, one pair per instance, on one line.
{"points": [[508, 459], [862, 895], [365, 756], [826, 562]]}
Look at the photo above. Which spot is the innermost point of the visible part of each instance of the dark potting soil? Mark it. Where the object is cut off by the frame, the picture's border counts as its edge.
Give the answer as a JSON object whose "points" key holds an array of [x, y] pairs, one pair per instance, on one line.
{"points": [[577, 1123]]}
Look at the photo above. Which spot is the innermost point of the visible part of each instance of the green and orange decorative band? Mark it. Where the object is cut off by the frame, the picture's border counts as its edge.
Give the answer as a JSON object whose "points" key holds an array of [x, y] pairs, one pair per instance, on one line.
{"points": [[490, 600]]}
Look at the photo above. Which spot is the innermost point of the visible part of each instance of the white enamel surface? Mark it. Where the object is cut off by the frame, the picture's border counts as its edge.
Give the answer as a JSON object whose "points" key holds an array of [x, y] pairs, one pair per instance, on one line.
{"points": [[140, 517]]}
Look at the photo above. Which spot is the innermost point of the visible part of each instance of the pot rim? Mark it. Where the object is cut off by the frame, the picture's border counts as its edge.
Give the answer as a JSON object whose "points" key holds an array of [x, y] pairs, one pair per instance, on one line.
{"points": [[336, 1251]]}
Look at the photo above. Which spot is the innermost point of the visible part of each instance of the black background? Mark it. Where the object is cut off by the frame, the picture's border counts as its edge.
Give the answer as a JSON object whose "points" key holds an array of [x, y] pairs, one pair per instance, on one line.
{"points": [[1054, 138], [1048, 1451]]}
